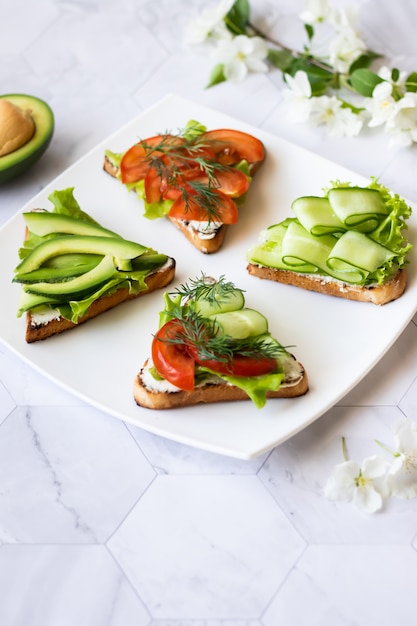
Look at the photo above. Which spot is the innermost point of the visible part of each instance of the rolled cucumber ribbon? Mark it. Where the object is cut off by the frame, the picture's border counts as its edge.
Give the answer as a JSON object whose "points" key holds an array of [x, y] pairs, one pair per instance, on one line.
{"points": [[357, 207], [317, 216], [356, 254], [351, 258], [345, 207], [299, 247]]}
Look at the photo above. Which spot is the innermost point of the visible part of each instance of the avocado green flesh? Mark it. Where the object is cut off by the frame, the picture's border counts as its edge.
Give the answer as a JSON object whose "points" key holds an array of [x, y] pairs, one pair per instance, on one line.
{"points": [[79, 286], [18, 161], [115, 246], [43, 223]]}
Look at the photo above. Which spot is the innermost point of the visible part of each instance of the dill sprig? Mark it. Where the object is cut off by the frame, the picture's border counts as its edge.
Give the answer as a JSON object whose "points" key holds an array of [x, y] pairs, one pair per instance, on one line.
{"points": [[202, 335], [173, 156], [207, 288]]}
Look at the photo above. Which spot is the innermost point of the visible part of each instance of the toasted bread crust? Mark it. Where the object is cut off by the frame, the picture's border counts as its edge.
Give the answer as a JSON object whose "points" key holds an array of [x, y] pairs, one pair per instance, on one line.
{"points": [[156, 280], [207, 246], [377, 294], [209, 393]]}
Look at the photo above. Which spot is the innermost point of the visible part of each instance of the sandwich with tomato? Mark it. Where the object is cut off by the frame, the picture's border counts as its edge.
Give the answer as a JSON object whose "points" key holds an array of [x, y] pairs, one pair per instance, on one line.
{"points": [[198, 179], [210, 347], [72, 269], [350, 243]]}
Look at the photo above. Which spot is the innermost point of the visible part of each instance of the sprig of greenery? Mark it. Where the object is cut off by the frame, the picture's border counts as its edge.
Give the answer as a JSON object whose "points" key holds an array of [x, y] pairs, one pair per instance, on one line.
{"points": [[203, 335], [205, 288], [174, 155]]}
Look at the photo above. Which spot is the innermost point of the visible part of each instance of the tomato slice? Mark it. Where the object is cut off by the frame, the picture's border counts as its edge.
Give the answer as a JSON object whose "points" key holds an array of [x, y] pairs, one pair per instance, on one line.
{"points": [[153, 185], [172, 360], [241, 365], [136, 161], [193, 208], [231, 146]]}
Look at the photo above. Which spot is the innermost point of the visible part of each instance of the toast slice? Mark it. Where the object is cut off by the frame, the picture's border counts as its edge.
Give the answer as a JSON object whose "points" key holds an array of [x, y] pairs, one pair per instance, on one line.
{"points": [[295, 384], [211, 348], [207, 236], [42, 326], [350, 243], [377, 294], [208, 239], [72, 269]]}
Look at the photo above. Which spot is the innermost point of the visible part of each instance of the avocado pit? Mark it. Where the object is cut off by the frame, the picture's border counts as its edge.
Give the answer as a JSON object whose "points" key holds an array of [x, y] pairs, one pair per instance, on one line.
{"points": [[16, 127]]}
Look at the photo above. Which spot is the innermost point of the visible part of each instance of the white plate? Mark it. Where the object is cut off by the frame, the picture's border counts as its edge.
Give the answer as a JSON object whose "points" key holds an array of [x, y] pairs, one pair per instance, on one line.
{"points": [[337, 341]]}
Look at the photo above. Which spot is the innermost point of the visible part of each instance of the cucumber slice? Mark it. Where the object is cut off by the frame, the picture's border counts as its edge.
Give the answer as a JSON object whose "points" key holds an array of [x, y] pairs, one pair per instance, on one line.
{"points": [[317, 215], [43, 223], [231, 301], [357, 207], [243, 323], [114, 246]]}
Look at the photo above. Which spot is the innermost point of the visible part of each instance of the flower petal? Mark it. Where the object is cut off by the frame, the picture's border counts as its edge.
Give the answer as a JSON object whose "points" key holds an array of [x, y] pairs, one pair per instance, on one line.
{"points": [[367, 499]]}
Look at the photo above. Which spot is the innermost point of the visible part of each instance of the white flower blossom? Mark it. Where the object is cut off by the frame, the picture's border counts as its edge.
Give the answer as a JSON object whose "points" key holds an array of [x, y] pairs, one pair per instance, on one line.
{"points": [[385, 73], [241, 55], [209, 24], [345, 48], [298, 94], [315, 11], [361, 485], [381, 106], [402, 125], [341, 121], [402, 475], [341, 18]]}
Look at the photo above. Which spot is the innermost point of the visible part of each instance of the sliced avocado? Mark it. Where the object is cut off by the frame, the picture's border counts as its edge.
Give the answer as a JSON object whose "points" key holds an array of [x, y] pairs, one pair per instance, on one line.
{"points": [[117, 247], [43, 223], [79, 286], [18, 161]]}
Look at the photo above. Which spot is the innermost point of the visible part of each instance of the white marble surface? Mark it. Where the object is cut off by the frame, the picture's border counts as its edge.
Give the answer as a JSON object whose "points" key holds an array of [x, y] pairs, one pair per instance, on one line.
{"points": [[103, 524]]}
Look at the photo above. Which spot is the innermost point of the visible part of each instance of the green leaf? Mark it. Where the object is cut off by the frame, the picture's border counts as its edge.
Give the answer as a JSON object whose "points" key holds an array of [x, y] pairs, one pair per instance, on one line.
{"points": [[217, 76], [395, 74], [281, 59], [309, 30], [411, 82], [364, 61], [237, 19], [364, 81]]}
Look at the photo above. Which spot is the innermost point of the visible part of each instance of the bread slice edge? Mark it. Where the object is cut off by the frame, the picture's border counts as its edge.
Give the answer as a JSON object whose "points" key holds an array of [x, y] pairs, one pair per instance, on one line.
{"points": [[211, 392], [376, 294], [155, 280]]}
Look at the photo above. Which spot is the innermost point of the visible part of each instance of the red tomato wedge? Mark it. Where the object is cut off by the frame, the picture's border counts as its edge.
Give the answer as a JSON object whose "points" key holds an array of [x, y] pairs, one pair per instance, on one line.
{"points": [[240, 365], [172, 360], [231, 146], [231, 182], [192, 208], [153, 186], [136, 161]]}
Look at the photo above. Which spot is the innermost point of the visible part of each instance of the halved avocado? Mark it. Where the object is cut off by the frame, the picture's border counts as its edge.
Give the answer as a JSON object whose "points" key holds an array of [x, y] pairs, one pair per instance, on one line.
{"points": [[18, 161]]}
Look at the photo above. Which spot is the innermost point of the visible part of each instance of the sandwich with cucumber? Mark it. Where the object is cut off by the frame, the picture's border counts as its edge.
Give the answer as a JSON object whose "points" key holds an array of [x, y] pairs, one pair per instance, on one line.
{"points": [[350, 243], [198, 179], [210, 347], [72, 269]]}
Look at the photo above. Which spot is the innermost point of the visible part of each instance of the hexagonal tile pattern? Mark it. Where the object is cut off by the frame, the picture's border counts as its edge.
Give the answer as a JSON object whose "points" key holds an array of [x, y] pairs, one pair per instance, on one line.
{"points": [[82, 474], [65, 585], [206, 545], [357, 598], [6, 403]]}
